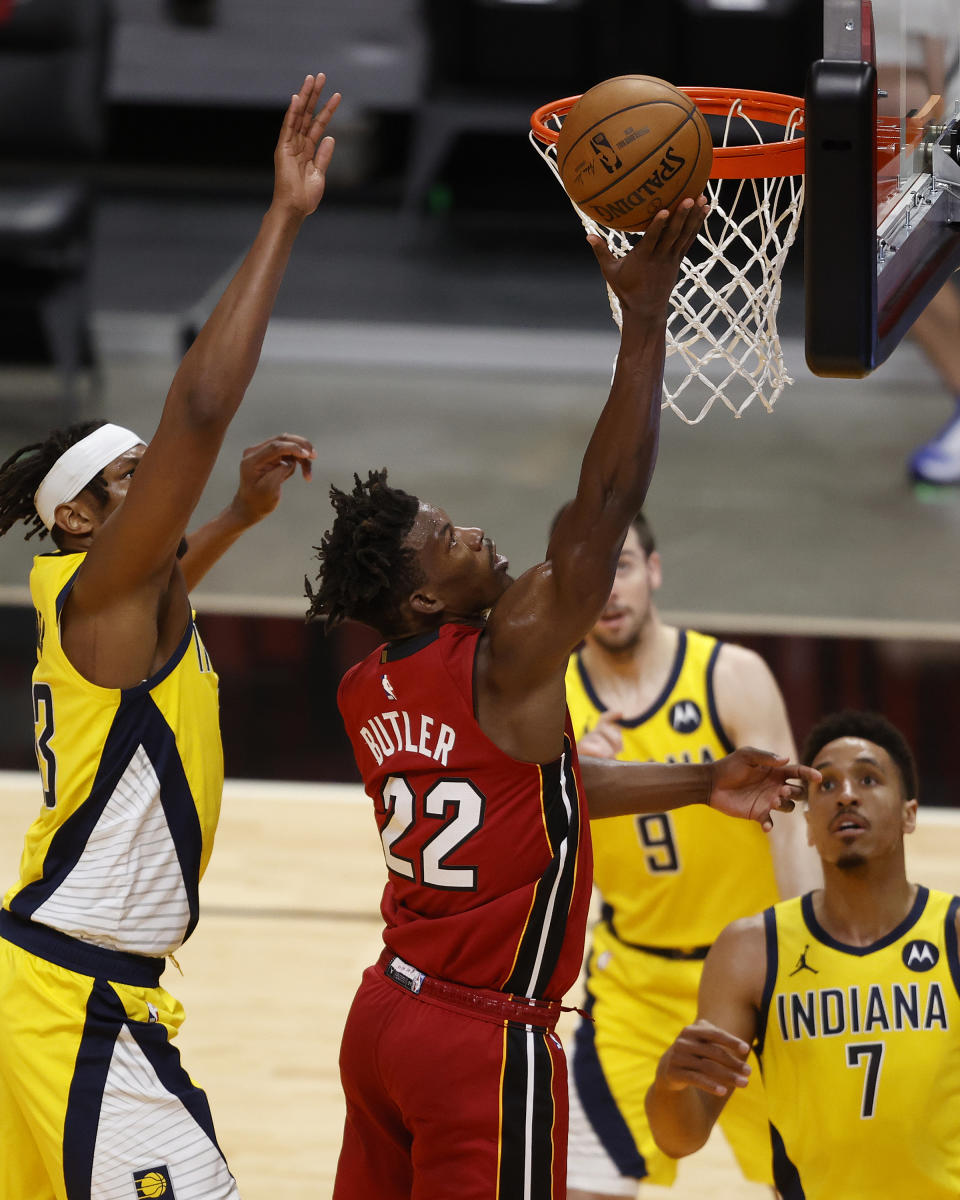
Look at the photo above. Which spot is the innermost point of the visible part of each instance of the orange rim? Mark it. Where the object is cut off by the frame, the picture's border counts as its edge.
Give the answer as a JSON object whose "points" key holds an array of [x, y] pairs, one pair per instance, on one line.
{"points": [[758, 161]]}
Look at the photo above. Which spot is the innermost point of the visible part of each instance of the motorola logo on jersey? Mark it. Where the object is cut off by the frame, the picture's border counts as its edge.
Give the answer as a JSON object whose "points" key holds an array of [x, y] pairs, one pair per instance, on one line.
{"points": [[685, 716], [919, 955]]}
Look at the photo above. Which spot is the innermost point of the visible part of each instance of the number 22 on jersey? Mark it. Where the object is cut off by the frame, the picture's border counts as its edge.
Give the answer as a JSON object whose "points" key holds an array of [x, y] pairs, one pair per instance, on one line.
{"points": [[457, 805]]}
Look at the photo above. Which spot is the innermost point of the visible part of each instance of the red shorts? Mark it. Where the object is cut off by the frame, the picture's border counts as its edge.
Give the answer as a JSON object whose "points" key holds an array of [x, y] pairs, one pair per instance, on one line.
{"points": [[450, 1093]]}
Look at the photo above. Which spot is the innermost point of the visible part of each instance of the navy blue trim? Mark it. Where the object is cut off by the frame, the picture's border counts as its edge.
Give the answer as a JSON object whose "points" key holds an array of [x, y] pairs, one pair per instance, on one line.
{"points": [[404, 647], [597, 1099], [770, 979], [146, 685], [633, 722], [104, 1020], [674, 953], [718, 728], [785, 1174], [65, 592], [164, 1057], [81, 957], [105, 1017], [950, 938], [137, 722], [912, 917]]}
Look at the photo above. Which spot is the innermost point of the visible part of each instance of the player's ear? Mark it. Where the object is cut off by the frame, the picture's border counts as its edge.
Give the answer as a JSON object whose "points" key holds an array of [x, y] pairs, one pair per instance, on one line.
{"points": [[423, 604], [909, 816], [654, 569], [76, 517], [806, 818]]}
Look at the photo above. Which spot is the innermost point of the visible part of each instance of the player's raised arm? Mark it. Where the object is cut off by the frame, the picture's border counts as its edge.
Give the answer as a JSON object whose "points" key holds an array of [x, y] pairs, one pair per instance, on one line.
{"points": [[136, 546], [536, 624]]}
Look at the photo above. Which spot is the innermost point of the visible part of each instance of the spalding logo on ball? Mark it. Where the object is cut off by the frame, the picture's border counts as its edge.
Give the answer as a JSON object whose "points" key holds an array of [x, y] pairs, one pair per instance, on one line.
{"points": [[631, 146]]}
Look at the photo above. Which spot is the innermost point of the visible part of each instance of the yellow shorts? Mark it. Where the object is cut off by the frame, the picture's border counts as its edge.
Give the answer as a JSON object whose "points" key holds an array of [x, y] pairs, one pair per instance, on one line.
{"points": [[93, 1099], [639, 1003]]}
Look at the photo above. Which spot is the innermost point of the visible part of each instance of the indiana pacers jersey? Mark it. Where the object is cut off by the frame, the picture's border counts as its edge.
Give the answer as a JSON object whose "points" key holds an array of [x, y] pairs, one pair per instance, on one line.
{"points": [[132, 780], [674, 880], [860, 1050], [488, 857]]}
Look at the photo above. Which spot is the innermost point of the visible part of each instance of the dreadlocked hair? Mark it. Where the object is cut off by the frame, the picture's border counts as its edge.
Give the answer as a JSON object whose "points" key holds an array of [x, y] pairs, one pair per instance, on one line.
{"points": [[23, 472], [365, 569]]}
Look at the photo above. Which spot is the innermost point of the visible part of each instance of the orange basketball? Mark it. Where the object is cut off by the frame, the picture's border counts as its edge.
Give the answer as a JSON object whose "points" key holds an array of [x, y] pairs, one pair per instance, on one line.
{"points": [[631, 146]]}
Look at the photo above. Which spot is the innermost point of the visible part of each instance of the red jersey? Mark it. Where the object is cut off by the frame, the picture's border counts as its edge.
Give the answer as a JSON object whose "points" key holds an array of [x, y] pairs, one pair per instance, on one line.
{"points": [[489, 858]]}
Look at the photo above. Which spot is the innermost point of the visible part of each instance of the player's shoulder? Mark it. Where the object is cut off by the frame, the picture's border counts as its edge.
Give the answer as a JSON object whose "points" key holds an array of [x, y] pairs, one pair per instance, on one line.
{"points": [[742, 680], [354, 674], [743, 935], [740, 661], [737, 961]]}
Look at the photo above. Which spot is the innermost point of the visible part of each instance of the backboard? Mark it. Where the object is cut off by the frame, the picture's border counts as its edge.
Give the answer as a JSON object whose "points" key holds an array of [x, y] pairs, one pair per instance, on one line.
{"points": [[882, 221]]}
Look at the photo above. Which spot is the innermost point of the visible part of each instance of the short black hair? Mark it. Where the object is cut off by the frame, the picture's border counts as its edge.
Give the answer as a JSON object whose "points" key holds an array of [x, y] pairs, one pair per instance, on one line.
{"points": [[640, 523], [365, 569], [872, 727], [24, 470]]}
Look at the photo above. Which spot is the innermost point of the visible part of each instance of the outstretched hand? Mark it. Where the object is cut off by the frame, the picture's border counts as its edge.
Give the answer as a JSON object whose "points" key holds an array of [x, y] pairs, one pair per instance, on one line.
{"points": [[753, 783], [643, 279], [264, 469], [303, 153]]}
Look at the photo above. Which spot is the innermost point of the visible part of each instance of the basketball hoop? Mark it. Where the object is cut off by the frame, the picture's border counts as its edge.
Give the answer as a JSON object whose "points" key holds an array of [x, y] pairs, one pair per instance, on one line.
{"points": [[722, 330]]}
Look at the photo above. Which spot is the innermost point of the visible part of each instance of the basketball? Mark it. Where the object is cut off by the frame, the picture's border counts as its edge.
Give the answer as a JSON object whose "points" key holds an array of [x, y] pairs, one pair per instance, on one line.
{"points": [[631, 146]]}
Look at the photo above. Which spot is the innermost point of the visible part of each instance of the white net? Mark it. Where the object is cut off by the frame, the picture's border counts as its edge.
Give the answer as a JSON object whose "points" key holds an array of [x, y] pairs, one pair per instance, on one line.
{"points": [[722, 339]]}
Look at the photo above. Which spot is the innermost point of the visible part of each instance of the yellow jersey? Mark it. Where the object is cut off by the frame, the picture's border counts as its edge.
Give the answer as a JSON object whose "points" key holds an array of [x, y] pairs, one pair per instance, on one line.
{"points": [[860, 1052], [674, 880], [132, 780]]}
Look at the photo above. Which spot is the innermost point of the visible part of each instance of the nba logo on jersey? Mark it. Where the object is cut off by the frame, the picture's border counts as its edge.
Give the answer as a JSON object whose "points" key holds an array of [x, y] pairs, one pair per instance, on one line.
{"points": [[387, 687], [919, 955], [155, 1181], [685, 716]]}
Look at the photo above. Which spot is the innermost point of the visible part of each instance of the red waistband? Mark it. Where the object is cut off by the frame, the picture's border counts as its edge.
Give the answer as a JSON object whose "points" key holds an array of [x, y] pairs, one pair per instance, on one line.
{"points": [[482, 1002]]}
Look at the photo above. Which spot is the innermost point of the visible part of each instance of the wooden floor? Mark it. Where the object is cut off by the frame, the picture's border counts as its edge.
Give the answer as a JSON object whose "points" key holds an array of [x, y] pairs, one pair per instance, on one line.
{"points": [[289, 920]]}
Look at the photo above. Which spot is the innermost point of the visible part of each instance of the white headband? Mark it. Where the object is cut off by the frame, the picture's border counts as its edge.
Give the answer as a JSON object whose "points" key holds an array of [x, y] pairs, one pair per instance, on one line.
{"points": [[75, 467]]}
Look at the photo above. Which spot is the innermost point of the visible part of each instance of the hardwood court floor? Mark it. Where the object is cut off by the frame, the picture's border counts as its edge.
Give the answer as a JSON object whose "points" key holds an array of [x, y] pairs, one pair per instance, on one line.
{"points": [[289, 919]]}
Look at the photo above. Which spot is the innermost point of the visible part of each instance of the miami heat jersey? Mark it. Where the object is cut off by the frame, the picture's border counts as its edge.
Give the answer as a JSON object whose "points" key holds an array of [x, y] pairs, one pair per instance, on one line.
{"points": [[860, 1051], [132, 780], [674, 879], [488, 858]]}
